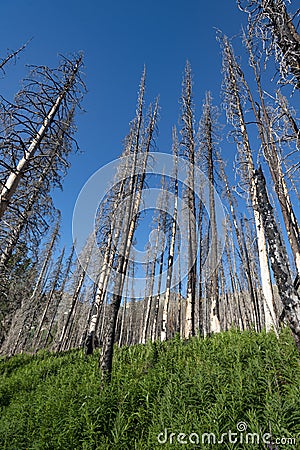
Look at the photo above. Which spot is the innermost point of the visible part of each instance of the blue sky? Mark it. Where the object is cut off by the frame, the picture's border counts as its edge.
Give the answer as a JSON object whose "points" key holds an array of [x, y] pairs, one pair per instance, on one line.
{"points": [[118, 38]]}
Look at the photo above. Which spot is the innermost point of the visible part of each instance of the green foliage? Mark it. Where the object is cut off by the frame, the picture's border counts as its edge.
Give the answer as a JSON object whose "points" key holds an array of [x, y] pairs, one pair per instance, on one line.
{"points": [[54, 401]]}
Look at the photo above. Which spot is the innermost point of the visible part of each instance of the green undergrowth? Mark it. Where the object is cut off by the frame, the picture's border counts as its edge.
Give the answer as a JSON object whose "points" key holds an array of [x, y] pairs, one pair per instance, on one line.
{"points": [[211, 385]]}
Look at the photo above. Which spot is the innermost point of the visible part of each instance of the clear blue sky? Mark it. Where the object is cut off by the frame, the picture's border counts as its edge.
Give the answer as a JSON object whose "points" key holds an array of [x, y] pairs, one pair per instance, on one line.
{"points": [[118, 38]]}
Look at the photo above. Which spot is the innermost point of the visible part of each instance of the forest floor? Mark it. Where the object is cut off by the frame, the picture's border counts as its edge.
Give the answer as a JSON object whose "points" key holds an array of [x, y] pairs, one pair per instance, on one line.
{"points": [[234, 390]]}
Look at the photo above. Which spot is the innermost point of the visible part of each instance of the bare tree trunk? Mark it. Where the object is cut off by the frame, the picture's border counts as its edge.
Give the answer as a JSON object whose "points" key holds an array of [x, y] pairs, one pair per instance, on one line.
{"points": [[189, 150], [78, 288], [113, 238], [233, 72], [107, 349], [279, 259], [69, 337], [11, 184], [163, 335], [234, 297], [12, 55], [124, 323], [35, 193], [145, 319], [158, 297], [49, 300], [45, 266], [115, 228], [179, 312], [161, 226], [121, 335], [201, 300], [272, 157], [60, 294], [154, 331], [254, 299], [213, 282], [243, 251]]}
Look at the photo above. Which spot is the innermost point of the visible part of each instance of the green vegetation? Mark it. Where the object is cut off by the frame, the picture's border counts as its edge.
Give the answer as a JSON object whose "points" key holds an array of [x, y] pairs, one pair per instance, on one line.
{"points": [[53, 401]]}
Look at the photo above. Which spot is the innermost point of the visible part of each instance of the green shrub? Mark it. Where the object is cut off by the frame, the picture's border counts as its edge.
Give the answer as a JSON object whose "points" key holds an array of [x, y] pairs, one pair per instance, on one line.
{"points": [[54, 401]]}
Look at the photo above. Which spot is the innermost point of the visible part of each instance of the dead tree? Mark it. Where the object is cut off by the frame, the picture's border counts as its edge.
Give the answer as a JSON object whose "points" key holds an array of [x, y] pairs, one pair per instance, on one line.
{"points": [[37, 204], [59, 296], [124, 181], [160, 244], [278, 257], [143, 145], [153, 254], [208, 141], [78, 280], [271, 23], [50, 298], [265, 124], [24, 313], [112, 229], [188, 149], [173, 240], [234, 98], [12, 56], [40, 109]]}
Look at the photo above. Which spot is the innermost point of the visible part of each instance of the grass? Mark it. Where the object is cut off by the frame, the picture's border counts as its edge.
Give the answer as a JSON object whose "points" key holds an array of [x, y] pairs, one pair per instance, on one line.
{"points": [[53, 401]]}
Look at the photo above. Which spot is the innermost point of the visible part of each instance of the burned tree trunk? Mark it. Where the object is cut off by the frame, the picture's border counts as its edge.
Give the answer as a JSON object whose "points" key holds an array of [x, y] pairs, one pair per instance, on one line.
{"points": [[272, 153], [207, 147], [278, 258], [188, 144], [233, 79], [41, 132], [142, 150], [172, 243]]}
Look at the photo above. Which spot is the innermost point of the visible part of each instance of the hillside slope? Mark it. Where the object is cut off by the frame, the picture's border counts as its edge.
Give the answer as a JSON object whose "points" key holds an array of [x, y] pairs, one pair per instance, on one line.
{"points": [[212, 385]]}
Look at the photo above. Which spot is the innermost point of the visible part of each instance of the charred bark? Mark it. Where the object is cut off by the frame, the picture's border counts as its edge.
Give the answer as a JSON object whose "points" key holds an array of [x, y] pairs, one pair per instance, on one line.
{"points": [[278, 257]]}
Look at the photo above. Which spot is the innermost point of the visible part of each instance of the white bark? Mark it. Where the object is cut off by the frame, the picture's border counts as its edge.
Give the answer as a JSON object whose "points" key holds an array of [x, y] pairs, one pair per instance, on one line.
{"points": [[163, 335], [189, 148], [268, 303], [246, 156], [272, 156], [14, 178]]}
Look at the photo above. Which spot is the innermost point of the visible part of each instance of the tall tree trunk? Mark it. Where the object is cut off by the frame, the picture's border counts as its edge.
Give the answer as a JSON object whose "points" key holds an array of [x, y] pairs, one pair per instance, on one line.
{"points": [[158, 247], [145, 322], [78, 288], [250, 283], [213, 282], [234, 73], [34, 194], [115, 228], [11, 184], [41, 278], [279, 259], [270, 151], [189, 151], [107, 349], [60, 294], [104, 276], [163, 335]]}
